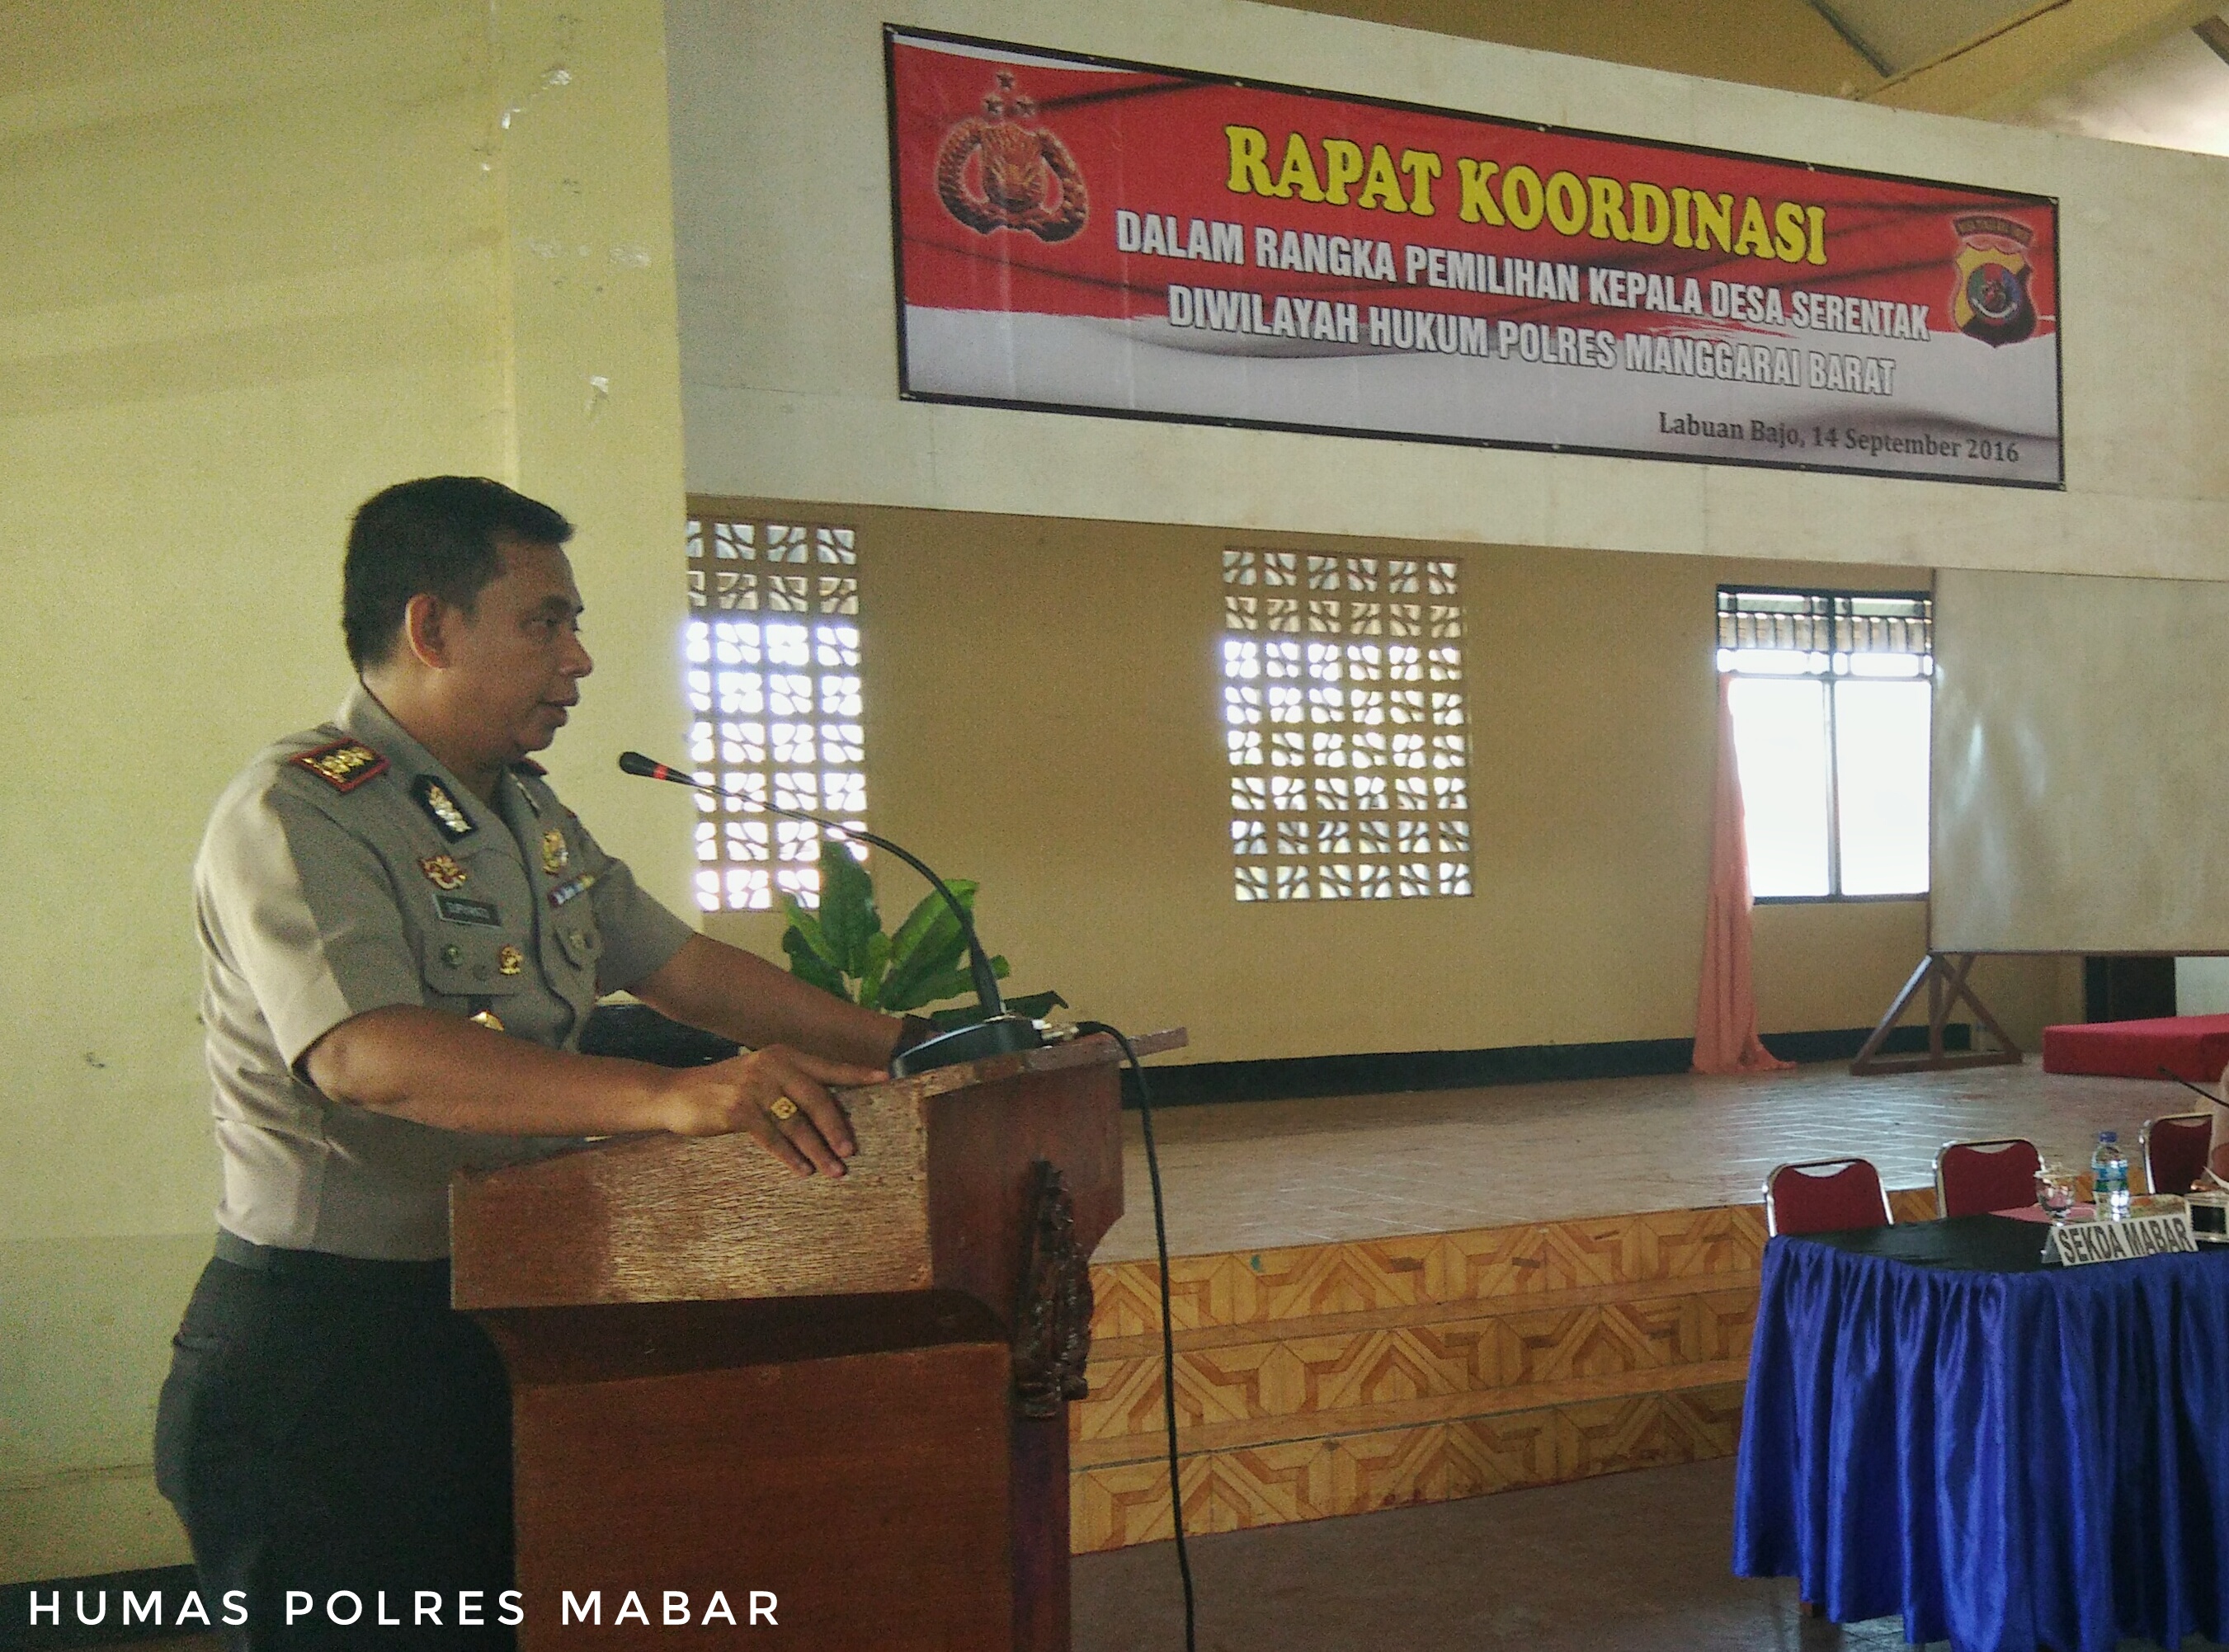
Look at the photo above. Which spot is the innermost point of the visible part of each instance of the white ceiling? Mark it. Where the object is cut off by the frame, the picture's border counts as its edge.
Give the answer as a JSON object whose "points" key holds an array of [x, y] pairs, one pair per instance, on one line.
{"points": [[1898, 34], [2173, 95]]}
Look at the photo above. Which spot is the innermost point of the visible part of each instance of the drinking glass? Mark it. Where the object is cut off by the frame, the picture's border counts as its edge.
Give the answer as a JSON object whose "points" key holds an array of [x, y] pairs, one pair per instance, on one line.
{"points": [[2054, 1191]]}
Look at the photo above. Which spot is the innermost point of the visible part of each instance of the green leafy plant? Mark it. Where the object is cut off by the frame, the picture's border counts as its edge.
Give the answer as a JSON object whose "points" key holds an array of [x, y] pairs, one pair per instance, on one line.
{"points": [[842, 948]]}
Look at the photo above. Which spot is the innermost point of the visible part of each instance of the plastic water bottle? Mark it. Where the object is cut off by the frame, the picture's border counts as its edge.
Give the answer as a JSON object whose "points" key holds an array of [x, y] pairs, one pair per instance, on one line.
{"points": [[2108, 1169]]}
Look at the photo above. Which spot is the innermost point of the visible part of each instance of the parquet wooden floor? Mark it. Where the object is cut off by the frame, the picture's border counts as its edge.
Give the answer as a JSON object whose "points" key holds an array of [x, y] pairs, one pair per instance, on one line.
{"points": [[1316, 1380]]}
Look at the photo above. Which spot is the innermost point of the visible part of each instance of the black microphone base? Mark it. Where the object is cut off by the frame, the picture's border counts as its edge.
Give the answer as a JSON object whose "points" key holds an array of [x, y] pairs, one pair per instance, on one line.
{"points": [[1000, 1035]]}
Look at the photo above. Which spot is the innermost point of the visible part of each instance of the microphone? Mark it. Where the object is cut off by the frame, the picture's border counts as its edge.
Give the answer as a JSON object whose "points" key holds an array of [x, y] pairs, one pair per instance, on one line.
{"points": [[999, 1033]]}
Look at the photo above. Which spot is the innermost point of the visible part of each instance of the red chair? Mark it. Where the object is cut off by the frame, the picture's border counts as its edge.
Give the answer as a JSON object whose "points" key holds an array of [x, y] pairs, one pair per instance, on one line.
{"points": [[1825, 1196], [1971, 1177], [2173, 1150]]}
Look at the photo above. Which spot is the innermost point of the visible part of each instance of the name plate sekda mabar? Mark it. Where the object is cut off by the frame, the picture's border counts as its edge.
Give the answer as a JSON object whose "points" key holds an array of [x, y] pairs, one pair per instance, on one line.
{"points": [[2152, 1227]]}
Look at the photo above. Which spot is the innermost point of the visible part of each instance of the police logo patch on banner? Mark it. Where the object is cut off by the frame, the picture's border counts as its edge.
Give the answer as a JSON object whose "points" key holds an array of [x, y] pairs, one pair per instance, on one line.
{"points": [[1023, 177], [1990, 299], [441, 808], [442, 872], [343, 766], [555, 856]]}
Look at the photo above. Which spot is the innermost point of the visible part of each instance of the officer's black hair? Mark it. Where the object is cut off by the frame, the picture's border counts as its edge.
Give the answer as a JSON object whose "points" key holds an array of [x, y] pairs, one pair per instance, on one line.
{"points": [[436, 535]]}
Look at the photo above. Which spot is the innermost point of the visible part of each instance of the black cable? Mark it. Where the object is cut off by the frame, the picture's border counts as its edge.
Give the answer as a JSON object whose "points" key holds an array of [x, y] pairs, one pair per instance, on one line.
{"points": [[1168, 1328]]}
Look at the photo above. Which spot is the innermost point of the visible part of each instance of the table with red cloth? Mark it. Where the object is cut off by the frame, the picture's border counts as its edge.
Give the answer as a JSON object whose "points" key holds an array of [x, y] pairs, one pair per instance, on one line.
{"points": [[2010, 1455]]}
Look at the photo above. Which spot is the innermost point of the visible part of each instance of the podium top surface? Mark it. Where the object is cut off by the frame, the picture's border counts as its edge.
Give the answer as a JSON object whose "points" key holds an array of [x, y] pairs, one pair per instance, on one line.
{"points": [[662, 1218], [1094, 1049]]}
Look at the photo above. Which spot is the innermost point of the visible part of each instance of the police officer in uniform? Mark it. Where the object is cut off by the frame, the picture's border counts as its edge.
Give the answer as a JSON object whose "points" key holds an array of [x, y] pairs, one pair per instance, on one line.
{"points": [[403, 931]]}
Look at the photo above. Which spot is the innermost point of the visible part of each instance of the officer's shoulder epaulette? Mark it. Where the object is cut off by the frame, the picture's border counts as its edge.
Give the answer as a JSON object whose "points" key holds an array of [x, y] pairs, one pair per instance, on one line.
{"points": [[343, 765]]}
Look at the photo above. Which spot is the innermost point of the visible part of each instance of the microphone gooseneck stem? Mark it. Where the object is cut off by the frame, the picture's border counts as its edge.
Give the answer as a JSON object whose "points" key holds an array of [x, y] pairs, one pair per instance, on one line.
{"points": [[978, 962]]}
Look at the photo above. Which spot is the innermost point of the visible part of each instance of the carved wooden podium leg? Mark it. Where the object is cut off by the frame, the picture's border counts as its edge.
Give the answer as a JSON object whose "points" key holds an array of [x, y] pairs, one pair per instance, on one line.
{"points": [[1052, 1343]]}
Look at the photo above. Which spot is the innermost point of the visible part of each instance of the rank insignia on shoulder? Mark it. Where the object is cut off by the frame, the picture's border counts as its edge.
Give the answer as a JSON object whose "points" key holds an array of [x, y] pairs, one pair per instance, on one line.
{"points": [[442, 872], [441, 808], [343, 766], [555, 855], [510, 961]]}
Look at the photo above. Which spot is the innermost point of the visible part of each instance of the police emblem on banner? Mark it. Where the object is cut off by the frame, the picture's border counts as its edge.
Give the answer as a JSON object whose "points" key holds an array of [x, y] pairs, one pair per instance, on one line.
{"points": [[1990, 299], [1023, 177]]}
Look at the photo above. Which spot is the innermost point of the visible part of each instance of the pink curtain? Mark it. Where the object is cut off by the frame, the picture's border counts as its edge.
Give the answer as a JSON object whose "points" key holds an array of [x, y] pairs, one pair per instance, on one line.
{"points": [[1726, 1007]]}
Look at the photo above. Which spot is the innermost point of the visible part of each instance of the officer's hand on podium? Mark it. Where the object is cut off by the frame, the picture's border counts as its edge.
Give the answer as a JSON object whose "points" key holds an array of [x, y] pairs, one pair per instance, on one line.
{"points": [[436, 1068], [779, 1098]]}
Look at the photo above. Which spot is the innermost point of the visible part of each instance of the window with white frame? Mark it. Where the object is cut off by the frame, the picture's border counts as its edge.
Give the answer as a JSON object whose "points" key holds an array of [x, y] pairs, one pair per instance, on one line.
{"points": [[1346, 727], [1833, 696], [773, 678]]}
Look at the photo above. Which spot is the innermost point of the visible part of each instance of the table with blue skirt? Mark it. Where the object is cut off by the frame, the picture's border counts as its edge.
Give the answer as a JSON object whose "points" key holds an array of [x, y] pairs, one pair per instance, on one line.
{"points": [[2011, 1455]]}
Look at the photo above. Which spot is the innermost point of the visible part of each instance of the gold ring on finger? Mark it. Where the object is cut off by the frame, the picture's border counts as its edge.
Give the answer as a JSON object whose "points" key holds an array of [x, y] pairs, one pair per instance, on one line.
{"points": [[781, 1110]]}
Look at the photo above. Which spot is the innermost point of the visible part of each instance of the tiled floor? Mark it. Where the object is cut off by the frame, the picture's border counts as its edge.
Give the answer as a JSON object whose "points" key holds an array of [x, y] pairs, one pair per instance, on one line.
{"points": [[1248, 1174], [1626, 1563]]}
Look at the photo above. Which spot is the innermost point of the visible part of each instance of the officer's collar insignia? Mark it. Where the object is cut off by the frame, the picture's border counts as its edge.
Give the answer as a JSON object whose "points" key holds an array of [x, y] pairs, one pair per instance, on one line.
{"points": [[442, 872], [441, 808], [555, 856], [343, 766]]}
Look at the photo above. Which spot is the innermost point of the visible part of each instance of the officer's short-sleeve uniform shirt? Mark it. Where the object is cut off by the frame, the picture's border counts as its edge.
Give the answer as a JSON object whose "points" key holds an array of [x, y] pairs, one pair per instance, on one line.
{"points": [[345, 871]]}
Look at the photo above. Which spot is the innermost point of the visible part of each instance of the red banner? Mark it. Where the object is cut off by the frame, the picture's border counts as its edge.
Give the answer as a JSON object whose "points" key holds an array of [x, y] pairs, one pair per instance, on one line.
{"points": [[1088, 236]]}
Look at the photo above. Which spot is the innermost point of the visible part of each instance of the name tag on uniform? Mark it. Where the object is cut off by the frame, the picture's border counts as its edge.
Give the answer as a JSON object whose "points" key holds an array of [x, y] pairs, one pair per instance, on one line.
{"points": [[456, 909]]}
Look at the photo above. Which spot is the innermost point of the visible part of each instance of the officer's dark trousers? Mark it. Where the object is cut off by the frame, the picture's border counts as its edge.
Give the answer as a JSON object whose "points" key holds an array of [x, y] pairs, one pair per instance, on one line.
{"points": [[331, 1425]]}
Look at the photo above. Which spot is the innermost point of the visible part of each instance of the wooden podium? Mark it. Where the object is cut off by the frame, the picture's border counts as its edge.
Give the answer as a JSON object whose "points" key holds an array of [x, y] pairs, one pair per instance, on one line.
{"points": [[848, 1396]]}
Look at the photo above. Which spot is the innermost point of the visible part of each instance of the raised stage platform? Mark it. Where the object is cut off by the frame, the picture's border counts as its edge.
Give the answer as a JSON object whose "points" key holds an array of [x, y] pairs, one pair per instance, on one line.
{"points": [[1386, 1300], [2195, 1048]]}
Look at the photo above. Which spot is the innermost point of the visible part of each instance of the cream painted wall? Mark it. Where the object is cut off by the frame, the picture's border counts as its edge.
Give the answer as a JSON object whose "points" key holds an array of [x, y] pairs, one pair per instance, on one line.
{"points": [[1822, 965], [2201, 986], [1042, 715], [263, 258], [789, 330]]}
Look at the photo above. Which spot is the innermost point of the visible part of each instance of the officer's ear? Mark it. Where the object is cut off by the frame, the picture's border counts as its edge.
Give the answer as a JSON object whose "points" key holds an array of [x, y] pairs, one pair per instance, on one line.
{"points": [[426, 621]]}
